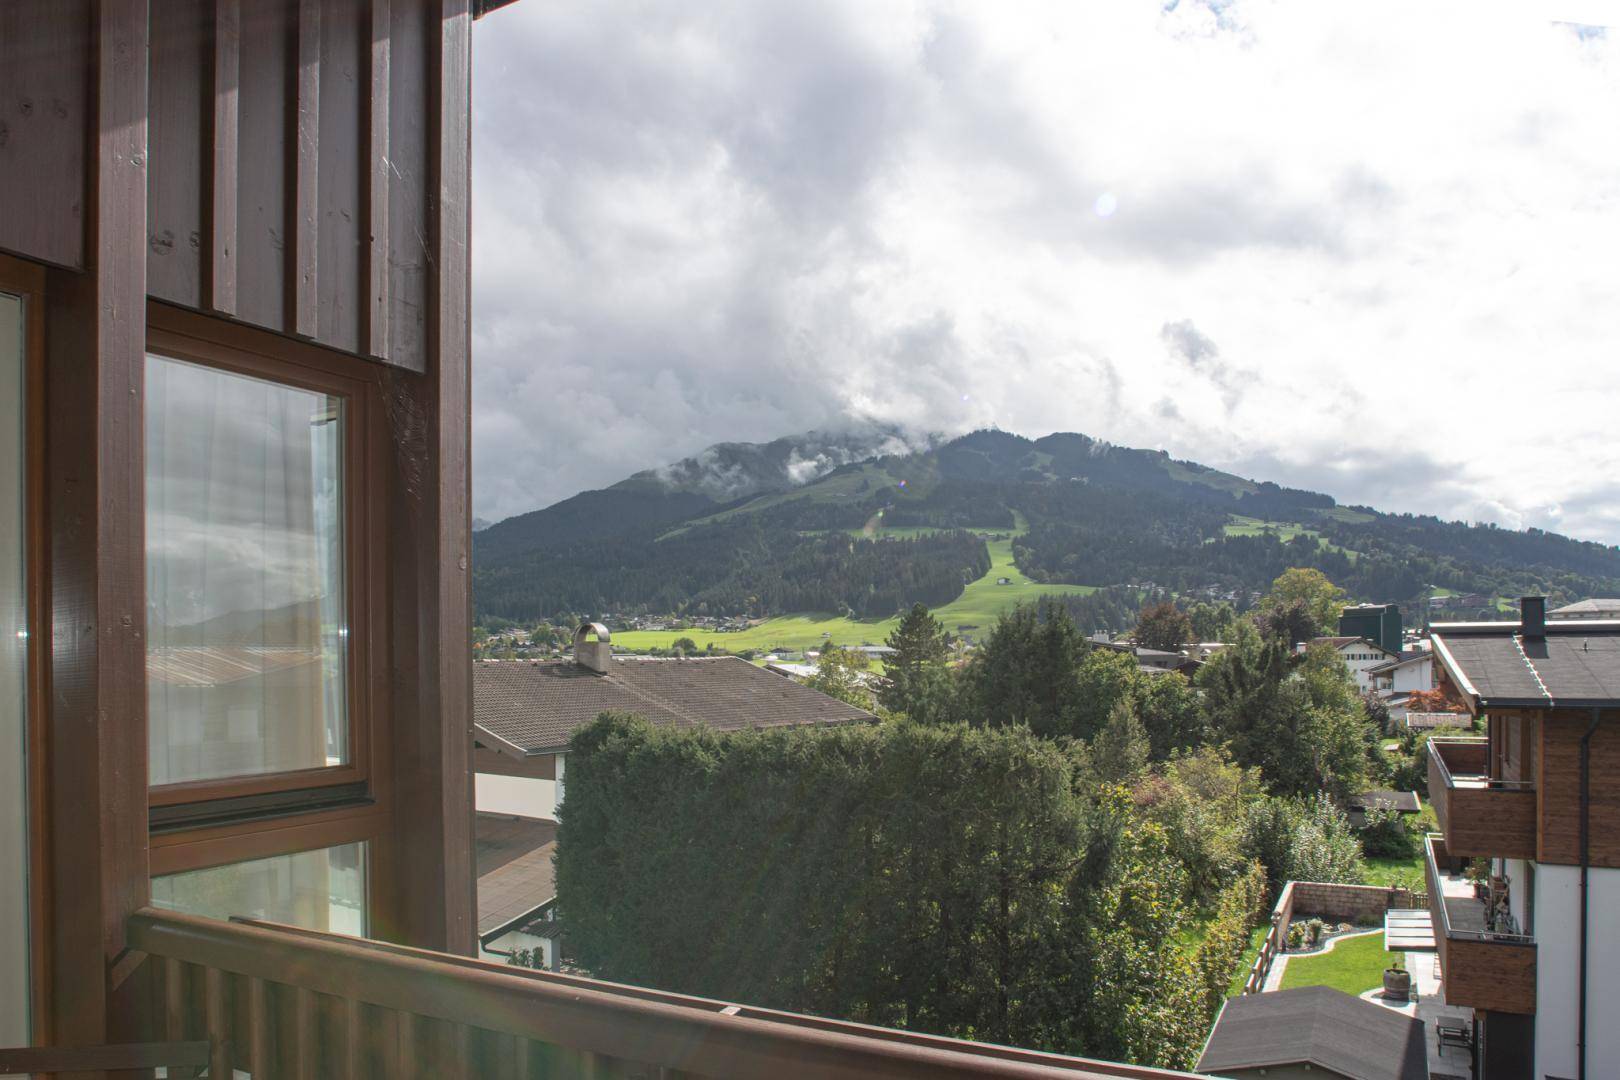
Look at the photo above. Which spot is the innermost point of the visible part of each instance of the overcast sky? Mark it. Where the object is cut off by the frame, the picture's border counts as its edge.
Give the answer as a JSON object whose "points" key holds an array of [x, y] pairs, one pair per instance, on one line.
{"points": [[1367, 248]]}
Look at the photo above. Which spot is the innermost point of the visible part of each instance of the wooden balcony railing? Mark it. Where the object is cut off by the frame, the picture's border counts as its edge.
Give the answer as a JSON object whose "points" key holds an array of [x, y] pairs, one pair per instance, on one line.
{"points": [[1479, 816], [1479, 969], [277, 1001]]}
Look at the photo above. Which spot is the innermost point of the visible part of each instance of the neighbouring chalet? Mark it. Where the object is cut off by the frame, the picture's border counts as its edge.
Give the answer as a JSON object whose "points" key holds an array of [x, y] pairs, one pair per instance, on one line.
{"points": [[1313, 1032], [1154, 661], [1600, 608], [1360, 655], [1535, 949], [526, 711], [1395, 681]]}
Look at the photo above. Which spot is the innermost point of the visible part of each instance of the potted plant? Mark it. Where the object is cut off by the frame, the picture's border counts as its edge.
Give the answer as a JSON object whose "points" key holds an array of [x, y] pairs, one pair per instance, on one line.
{"points": [[1397, 982]]}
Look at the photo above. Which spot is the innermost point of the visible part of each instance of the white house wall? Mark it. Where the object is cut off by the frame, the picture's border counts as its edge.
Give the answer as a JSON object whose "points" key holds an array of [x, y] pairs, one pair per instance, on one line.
{"points": [[1557, 932], [520, 796]]}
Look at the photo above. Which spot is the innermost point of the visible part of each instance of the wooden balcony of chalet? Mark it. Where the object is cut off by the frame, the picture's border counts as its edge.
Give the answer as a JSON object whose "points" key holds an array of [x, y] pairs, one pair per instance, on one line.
{"points": [[1478, 815], [1480, 968], [277, 1001]]}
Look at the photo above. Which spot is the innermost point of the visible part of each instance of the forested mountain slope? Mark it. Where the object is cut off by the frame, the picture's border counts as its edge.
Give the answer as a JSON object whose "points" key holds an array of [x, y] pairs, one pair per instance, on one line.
{"points": [[815, 524]]}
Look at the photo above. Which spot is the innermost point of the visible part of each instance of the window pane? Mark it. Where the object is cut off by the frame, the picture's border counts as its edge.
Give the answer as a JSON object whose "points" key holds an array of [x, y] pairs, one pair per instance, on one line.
{"points": [[318, 890], [13, 686], [246, 618]]}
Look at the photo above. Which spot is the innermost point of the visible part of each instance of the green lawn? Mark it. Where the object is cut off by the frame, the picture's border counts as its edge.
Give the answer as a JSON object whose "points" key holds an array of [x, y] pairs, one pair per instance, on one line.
{"points": [[974, 612], [1285, 531], [1385, 871], [1355, 965]]}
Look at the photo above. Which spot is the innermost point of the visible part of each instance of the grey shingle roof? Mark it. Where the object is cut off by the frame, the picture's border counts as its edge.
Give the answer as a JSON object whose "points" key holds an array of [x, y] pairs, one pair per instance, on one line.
{"points": [[537, 706], [1600, 608], [515, 871], [1317, 1024], [1576, 665]]}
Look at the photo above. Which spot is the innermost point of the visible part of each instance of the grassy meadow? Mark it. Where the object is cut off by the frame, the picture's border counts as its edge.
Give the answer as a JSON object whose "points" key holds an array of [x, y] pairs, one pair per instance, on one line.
{"points": [[974, 612]]}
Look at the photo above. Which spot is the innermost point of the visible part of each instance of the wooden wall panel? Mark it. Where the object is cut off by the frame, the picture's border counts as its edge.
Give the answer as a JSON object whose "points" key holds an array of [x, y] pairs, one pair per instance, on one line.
{"points": [[293, 159], [1559, 782], [343, 182], [263, 191], [181, 70], [44, 126], [409, 244]]}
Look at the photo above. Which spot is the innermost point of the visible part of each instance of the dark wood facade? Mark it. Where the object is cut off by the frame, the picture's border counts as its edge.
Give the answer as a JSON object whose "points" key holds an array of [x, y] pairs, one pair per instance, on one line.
{"points": [[1476, 817], [1558, 768], [286, 180]]}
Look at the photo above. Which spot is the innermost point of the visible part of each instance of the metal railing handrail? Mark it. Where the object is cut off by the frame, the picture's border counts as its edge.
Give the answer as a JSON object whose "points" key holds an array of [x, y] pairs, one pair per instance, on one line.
{"points": [[1450, 778], [1437, 900]]}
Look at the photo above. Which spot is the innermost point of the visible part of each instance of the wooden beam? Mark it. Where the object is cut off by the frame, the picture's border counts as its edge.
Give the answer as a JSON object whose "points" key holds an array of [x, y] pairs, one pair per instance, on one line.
{"points": [[96, 349], [222, 173], [58, 1059], [376, 322], [306, 154], [451, 334]]}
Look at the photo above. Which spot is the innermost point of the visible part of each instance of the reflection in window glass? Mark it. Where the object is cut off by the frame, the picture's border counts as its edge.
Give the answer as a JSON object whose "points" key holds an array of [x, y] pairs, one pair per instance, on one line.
{"points": [[317, 890], [247, 626], [14, 1006]]}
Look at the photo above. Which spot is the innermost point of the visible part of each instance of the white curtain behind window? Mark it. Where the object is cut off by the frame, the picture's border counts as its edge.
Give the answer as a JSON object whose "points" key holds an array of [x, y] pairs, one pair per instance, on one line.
{"points": [[245, 603]]}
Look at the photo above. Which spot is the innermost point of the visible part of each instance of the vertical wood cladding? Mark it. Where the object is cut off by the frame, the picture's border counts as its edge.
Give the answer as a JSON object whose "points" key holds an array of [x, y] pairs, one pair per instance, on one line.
{"points": [[292, 167], [291, 160], [182, 55], [1559, 784], [44, 128]]}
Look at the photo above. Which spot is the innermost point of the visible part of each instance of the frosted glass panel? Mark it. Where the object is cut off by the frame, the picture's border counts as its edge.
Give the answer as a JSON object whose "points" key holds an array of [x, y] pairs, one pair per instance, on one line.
{"points": [[247, 626], [14, 1004], [318, 890]]}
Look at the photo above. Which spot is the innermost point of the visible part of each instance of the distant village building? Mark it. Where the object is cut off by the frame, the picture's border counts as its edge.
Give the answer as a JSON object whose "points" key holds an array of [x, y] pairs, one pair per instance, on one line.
{"points": [[525, 712], [1588, 609], [1361, 656], [1395, 681], [1378, 623]]}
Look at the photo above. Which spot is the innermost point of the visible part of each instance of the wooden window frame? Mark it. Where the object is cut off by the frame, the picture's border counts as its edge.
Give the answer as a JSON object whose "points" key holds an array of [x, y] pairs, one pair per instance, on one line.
{"points": [[213, 343], [27, 280]]}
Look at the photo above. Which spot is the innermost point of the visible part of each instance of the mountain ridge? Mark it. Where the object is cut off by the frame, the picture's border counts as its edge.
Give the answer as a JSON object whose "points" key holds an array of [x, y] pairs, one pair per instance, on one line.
{"points": [[744, 528]]}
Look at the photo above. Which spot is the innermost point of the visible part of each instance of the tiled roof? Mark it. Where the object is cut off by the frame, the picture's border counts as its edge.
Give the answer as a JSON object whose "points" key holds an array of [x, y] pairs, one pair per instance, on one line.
{"points": [[537, 706], [515, 871], [1597, 608], [1577, 664], [1320, 1026]]}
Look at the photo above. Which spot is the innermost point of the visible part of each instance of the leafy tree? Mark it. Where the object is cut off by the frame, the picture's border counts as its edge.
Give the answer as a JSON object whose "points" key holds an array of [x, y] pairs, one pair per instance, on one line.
{"points": [[1323, 601], [918, 682], [1225, 940], [1163, 626], [683, 646], [1212, 622], [840, 673]]}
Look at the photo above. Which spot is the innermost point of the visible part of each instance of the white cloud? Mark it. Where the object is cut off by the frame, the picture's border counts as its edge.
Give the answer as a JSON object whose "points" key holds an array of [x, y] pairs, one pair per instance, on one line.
{"points": [[1394, 224]]}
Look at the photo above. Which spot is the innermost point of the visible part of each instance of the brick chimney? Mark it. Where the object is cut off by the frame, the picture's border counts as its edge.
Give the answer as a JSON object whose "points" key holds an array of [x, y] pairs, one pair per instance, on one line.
{"points": [[595, 655]]}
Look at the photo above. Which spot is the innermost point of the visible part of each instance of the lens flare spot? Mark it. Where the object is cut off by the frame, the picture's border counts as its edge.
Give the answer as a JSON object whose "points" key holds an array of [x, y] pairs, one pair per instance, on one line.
{"points": [[1106, 204]]}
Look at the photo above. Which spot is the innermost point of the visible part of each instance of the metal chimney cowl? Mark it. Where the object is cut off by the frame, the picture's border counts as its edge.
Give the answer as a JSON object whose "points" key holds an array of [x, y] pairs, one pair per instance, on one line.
{"points": [[594, 655]]}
